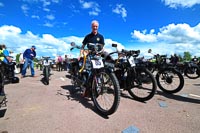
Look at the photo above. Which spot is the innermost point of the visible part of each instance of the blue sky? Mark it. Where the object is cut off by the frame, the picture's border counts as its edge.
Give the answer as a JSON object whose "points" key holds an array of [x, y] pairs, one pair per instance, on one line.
{"points": [[165, 26]]}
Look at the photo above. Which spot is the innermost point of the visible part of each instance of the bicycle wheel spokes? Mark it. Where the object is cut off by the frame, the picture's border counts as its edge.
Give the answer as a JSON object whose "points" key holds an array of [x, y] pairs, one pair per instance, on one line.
{"points": [[170, 81], [144, 86], [105, 92]]}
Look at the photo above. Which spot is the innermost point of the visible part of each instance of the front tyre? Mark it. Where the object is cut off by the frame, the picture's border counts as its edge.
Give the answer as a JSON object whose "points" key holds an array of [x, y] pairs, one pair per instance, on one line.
{"points": [[170, 80], [192, 72], [46, 75], [105, 92], [143, 86]]}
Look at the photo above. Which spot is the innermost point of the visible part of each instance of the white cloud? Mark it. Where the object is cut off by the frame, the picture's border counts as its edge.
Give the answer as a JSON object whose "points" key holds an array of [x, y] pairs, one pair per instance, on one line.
{"points": [[119, 9], [142, 36], [47, 24], [35, 16], [50, 17], [181, 3], [177, 37], [47, 44], [1, 4], [92, 6], [25, 9]]}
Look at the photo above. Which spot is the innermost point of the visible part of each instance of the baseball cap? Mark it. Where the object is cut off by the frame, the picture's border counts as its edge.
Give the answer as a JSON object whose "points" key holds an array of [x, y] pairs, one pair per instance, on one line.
{"points": [[33, 47]]}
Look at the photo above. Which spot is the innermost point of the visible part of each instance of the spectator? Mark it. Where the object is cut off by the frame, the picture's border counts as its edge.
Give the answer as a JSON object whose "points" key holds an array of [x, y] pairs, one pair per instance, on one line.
{"points": [[174, 59], [29, 55], [21, 62], [60, 62], [6, 53], [195, 59]]}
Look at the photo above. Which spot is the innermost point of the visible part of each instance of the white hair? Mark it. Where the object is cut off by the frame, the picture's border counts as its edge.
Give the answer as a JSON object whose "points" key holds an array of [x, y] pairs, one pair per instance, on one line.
{"points": [[94, 21]]}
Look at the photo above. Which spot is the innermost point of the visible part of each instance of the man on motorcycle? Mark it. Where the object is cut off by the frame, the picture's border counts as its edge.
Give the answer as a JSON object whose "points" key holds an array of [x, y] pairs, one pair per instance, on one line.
{"points": [[93, 37]]}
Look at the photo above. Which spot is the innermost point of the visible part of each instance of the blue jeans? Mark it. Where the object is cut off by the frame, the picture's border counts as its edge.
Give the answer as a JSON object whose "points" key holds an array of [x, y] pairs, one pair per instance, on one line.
{"points": [[28, 61]]}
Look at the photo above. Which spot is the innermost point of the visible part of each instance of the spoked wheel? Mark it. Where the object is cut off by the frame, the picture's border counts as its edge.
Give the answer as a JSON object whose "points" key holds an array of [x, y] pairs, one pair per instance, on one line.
{"points": [[192, 72], [105, 93], [143, 85], [170, 80]]}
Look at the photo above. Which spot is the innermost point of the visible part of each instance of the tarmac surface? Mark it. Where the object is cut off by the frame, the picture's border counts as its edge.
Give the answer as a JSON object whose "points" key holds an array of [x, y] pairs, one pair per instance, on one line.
{"points": [[34, 107]]}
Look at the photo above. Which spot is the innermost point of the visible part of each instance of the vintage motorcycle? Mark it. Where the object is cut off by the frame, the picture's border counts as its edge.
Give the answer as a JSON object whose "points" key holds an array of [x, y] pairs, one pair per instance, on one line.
{"points": [[133, 76], [98, 82], [168, 79], [189, 69], [46, 69]]}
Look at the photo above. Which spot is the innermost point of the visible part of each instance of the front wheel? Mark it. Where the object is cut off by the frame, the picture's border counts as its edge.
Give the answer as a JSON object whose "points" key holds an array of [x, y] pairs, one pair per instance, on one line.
{"points": [[105, 92], [46, 75], [192, 72], [142, 86], [170, 80]]}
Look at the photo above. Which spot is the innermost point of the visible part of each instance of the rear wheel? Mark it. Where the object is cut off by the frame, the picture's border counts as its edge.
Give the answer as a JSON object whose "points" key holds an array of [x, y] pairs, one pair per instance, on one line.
{"points": [[105, 93]]}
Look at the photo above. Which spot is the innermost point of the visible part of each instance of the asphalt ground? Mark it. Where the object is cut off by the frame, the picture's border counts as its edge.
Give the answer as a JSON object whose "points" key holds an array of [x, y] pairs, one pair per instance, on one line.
{"points": [[33, 107]]}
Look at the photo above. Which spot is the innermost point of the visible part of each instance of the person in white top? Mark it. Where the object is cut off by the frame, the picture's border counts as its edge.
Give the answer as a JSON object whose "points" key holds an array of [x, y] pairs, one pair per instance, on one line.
{"points": [[21, 61]]}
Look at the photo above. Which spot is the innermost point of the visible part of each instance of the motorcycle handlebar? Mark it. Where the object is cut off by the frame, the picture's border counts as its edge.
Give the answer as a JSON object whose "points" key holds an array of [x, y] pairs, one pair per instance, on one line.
{"points": [[131, 52]]}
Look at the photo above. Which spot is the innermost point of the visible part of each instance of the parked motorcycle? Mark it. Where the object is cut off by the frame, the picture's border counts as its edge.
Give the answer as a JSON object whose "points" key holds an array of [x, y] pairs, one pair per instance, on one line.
{"points": [[8, 70], [189, 69], [94, 80], [133, 76], [168, 78], [46, 64]]}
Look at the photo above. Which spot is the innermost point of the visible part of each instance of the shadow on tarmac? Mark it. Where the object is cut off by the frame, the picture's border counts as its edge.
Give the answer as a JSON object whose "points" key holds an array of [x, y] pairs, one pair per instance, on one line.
{"points": [[74, 95], [179, 97]]}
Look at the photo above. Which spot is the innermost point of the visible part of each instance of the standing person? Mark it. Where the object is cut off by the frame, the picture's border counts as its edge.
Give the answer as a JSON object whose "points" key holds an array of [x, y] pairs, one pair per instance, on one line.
{"points": [[21, 62], [60, 61], [93, 37], [195, 60], [6, 53], [29, 55]]}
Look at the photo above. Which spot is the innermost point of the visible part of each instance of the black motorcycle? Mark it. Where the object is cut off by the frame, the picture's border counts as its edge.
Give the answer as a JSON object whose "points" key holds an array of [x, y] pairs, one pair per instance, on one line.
{"points": [[8, 70], [189, 69], [46, 64], [94, 80], [169, 79], [133, 76]]}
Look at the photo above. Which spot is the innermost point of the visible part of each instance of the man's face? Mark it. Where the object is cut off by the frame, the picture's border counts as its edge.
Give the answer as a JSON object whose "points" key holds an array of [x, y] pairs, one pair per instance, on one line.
{"points": [[95, 27]]}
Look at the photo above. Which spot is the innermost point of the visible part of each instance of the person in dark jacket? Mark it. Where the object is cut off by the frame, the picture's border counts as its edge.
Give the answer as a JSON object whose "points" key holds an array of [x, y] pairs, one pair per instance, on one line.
{"points": [[29, 55]]}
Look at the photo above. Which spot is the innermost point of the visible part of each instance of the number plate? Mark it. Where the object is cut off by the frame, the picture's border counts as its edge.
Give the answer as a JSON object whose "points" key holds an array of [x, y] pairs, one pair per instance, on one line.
{"points": [[97, 64], [131, 61], [46, 63]]}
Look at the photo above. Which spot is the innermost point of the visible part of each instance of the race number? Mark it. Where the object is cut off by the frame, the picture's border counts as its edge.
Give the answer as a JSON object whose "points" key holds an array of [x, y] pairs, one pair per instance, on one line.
{"points": [[131, 61], [46, 63], [97, 64]]}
